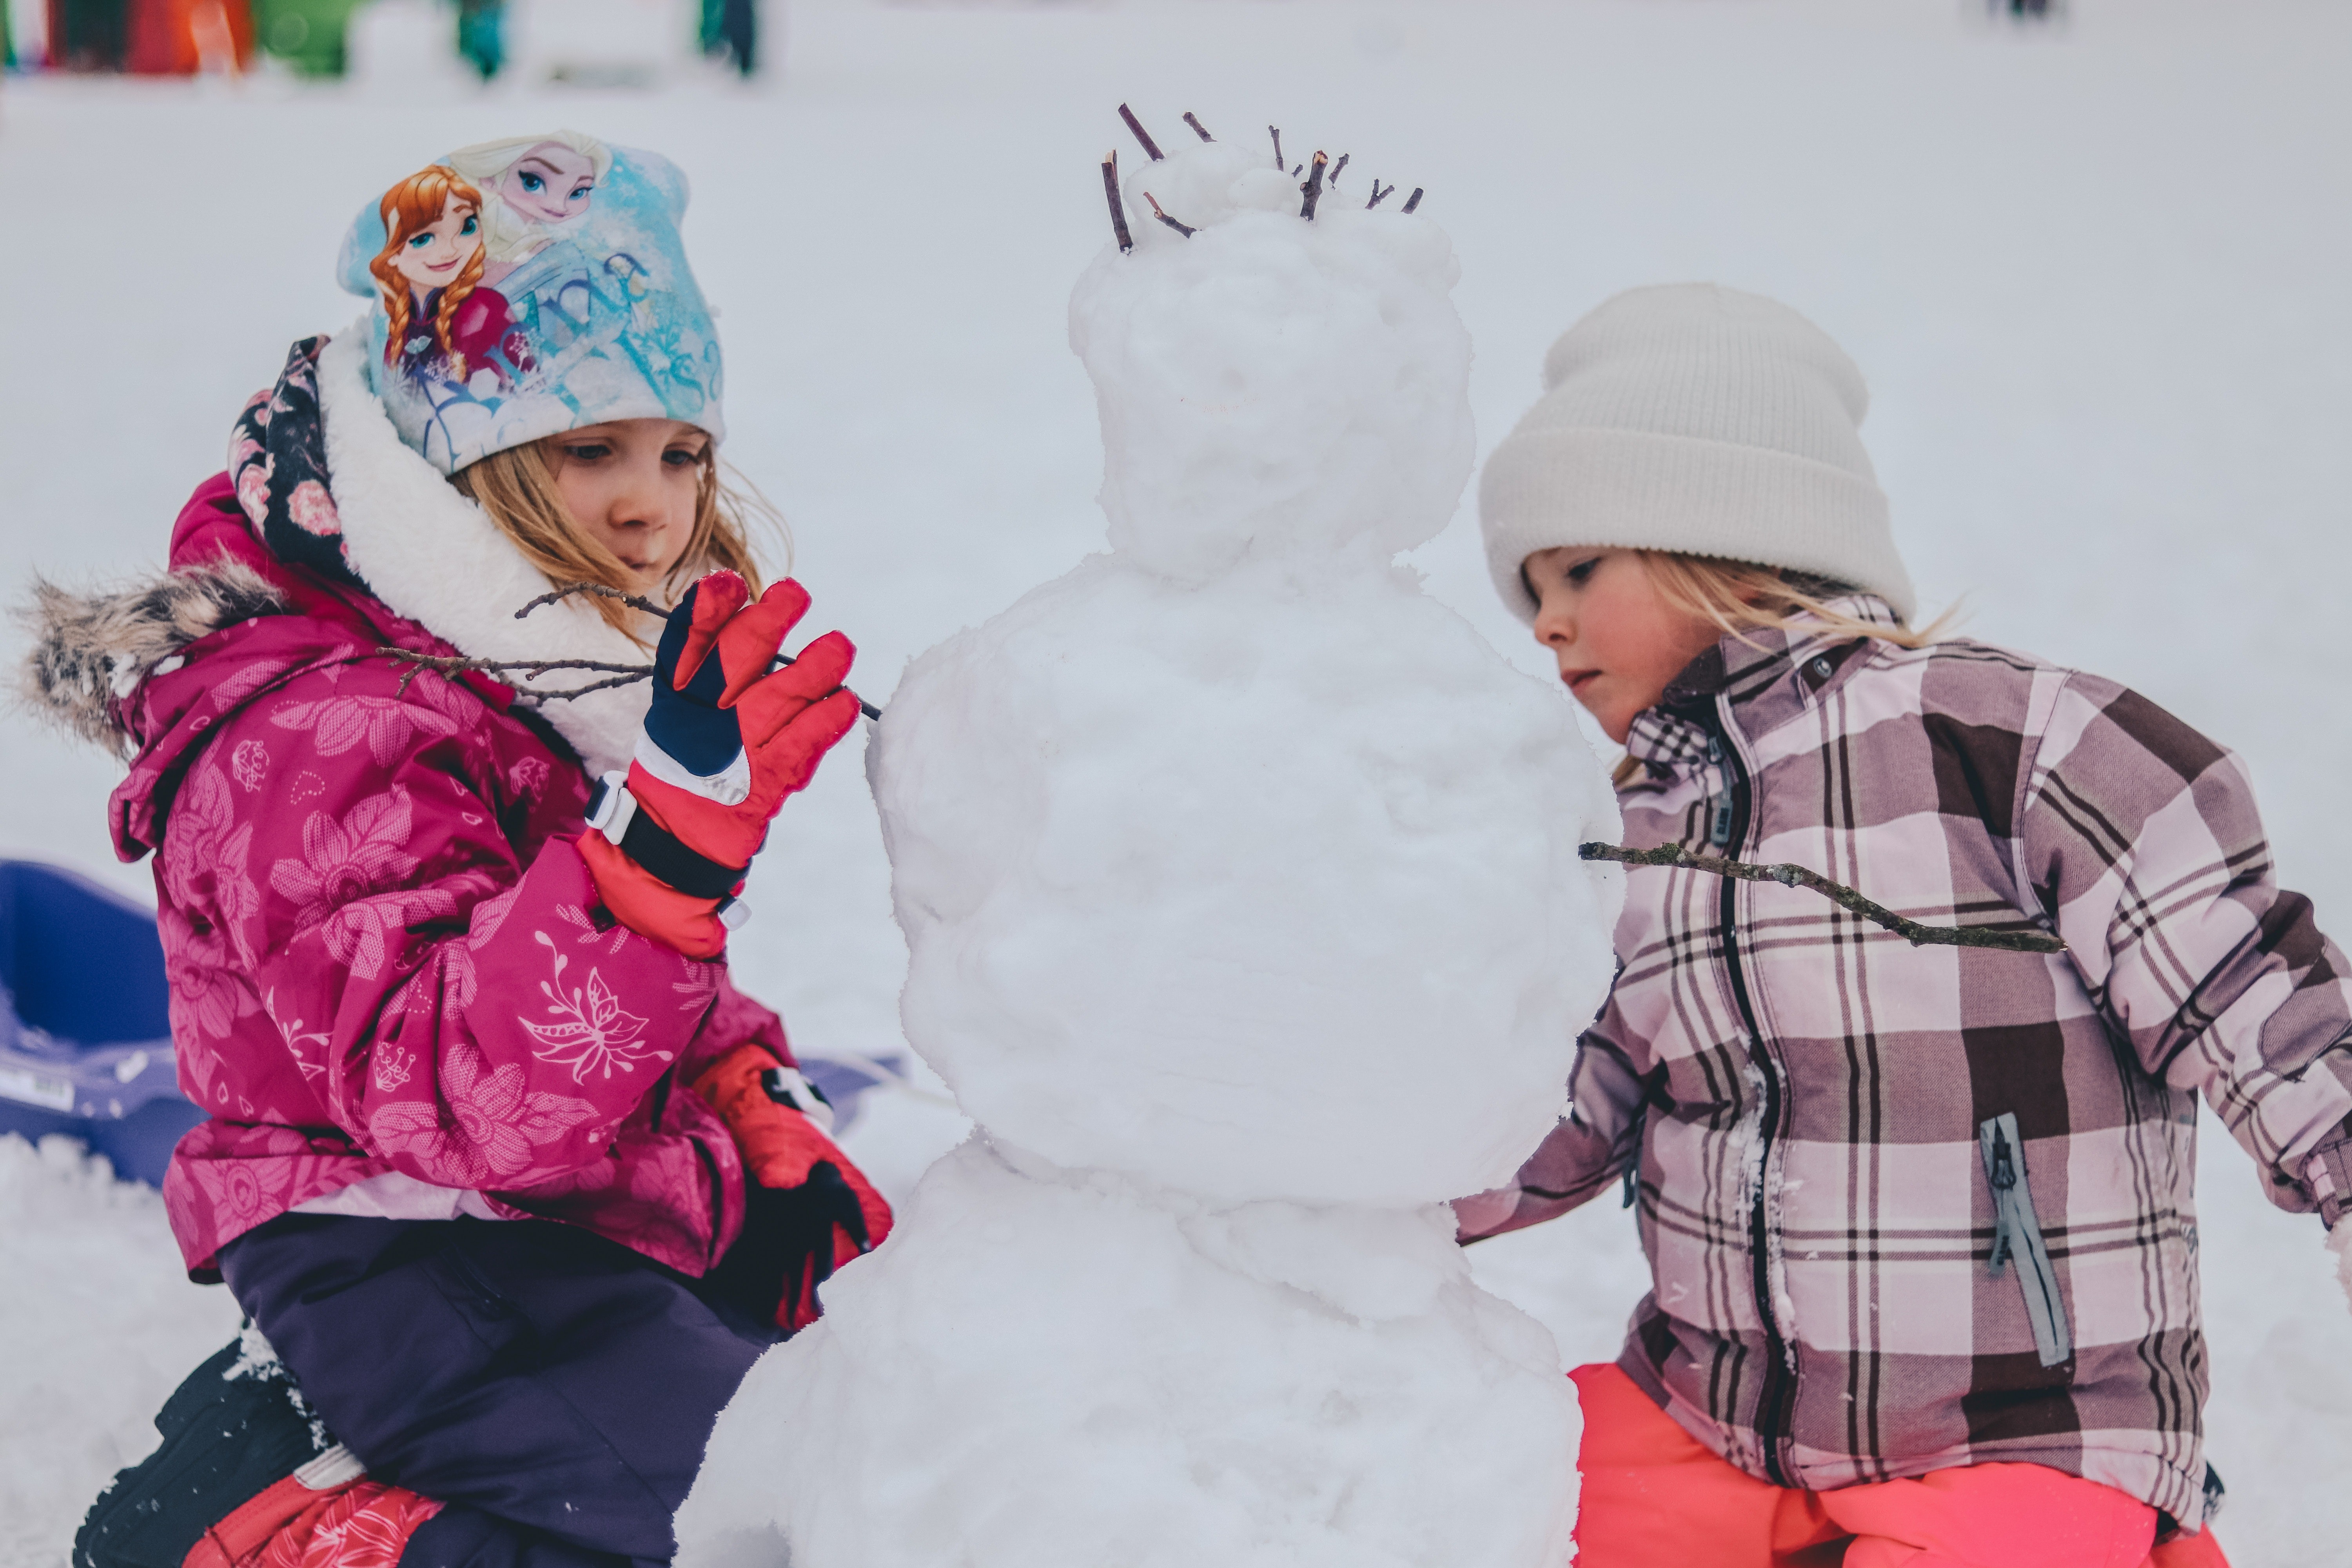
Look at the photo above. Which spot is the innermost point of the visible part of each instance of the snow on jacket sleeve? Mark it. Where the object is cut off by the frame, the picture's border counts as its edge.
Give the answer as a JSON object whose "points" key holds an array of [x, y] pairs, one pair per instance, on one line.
{"points": [[1593, 1142], [2140, 838], [457, 1013]]}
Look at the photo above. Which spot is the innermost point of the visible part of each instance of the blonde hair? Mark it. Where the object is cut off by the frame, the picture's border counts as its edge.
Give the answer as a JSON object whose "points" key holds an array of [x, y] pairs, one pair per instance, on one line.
{"points": [[1740, 596], [516, 491]]}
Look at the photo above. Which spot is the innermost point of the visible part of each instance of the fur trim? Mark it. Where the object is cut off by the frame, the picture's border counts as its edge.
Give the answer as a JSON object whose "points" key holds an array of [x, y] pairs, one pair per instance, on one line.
{"points": [[429, 553], [91, 651]]}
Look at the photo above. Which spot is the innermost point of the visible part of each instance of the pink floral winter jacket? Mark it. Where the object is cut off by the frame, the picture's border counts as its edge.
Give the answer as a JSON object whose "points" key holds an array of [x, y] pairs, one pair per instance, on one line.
{"points": [[390, 974]]}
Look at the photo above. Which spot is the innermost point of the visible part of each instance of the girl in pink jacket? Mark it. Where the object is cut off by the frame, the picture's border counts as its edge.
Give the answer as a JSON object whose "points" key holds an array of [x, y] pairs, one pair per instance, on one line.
{"points": [[1921, 1218], [511, 1181]]}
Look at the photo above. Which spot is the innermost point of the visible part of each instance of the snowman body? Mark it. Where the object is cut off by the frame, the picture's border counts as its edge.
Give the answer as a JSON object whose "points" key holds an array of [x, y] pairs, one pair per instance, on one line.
{"points": [[1245, 919]]}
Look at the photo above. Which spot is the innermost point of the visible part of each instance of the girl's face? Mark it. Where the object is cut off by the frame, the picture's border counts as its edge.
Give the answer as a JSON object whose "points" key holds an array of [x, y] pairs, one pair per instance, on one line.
{"points": [[1617, 642], [548, 184], [632, 484], [432, 255]]}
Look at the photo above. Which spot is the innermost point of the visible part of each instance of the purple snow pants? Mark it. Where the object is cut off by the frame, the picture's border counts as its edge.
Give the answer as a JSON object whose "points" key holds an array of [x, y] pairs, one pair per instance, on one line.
{"points": [[553, 1388]]}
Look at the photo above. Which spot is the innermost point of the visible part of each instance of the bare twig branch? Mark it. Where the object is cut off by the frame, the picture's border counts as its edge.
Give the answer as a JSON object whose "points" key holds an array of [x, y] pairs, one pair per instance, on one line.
{"points": [[1186, 229], [1313, 187], [505, 671], [633, 601], [521, 673], [1380, 193], [1339, 166], [1151, 148], [1117, 209], [1837, 893], [1413, 200], [1197, 128], [1277, 133]]}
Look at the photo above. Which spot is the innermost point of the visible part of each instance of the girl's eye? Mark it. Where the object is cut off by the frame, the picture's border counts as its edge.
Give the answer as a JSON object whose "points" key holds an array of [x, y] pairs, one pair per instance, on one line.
{"points": [[532, 183], [581, 194], [1582, 572], [587, 451], [681, 457], [471, 226], [419, 241]]}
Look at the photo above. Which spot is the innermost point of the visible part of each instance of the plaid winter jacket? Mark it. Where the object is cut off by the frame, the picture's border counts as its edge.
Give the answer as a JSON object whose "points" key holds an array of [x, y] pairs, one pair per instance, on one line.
{"points": [[1913, 1207]]}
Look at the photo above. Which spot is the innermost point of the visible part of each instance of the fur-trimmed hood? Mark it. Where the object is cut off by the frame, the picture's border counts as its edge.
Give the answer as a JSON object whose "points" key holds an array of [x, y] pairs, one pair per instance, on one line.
{"points": [[91, 651], [425, 552]]}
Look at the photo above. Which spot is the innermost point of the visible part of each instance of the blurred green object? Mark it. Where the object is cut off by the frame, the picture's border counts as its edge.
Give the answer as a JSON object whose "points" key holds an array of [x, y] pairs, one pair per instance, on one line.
{"points": [[88, 34], [730, 30], [307, 35], [481, 35]]}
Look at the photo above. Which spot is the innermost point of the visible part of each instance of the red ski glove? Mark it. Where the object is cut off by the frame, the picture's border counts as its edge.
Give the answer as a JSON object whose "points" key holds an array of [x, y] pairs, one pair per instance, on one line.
{"points": [[808, 1209], [725, 742]]}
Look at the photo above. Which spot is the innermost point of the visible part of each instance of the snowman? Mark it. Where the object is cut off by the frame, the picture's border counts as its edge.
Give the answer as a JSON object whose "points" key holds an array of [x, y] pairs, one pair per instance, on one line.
{"points": [[1246, 919]]}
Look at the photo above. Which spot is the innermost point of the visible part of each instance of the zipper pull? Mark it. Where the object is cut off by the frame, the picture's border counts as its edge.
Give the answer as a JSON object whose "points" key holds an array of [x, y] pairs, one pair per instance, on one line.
{"points": [[1718, 833], [2004, 1177]]}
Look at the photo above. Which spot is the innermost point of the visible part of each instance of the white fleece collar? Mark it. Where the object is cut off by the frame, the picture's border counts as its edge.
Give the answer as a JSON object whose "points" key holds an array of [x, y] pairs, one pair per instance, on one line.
{"points": [[430, 554]]}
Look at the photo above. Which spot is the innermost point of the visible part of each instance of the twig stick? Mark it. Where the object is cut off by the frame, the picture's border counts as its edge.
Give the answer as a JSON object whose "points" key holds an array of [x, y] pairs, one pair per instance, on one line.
{"points": [[1151, 148], [1186, 229], [1413, 200], [1789, 876], [1277, 131], [1118, 209], [1380, 193], [1314, 188], [1337, 168], [1197, 128], [633, 601]]}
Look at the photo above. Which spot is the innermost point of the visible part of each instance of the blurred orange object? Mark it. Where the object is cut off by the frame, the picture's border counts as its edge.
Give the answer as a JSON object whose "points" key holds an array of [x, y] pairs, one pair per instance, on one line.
{"points": [[181, 38]]}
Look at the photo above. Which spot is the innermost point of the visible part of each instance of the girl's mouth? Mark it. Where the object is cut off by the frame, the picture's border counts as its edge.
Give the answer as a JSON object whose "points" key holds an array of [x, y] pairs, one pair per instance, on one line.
{"points": [[1581, 680]]}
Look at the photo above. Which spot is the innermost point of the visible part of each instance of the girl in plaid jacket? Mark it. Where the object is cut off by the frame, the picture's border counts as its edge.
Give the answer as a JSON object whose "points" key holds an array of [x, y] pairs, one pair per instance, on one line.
{"points": [[1921, 1219]]}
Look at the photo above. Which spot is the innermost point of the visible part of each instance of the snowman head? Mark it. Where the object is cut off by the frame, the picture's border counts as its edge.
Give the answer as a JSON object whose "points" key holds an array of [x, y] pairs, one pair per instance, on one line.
{"points": [[1272, 384]]}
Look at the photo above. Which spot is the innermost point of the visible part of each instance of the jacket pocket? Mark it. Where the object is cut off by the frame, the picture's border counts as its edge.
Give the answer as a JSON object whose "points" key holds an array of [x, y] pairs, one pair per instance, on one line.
{"points": [[2017, 1235]]}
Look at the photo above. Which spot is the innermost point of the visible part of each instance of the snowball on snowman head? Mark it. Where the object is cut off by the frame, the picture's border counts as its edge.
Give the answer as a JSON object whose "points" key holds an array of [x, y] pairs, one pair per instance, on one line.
{"points": [[1270, 386]]}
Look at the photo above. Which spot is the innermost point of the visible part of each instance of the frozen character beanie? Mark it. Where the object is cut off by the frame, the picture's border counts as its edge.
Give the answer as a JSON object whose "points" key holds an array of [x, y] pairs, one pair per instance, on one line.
{"points": [[1698, 419], [527, 287]]}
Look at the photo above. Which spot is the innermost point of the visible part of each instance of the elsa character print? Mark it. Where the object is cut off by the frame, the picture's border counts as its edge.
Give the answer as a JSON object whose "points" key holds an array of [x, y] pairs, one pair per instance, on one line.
{"points": [[531, 185], [442, 321]]}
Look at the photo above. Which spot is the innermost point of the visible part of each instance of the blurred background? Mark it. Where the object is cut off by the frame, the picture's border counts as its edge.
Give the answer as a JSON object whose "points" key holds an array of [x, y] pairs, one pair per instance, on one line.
{"points": [[606, 42], [2092, 257]]}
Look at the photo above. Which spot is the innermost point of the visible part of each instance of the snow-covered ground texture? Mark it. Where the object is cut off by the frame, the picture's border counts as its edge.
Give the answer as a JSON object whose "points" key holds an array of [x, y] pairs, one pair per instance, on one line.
{"points": [[1049, 1368], [1241, 884], [2093, 272]]}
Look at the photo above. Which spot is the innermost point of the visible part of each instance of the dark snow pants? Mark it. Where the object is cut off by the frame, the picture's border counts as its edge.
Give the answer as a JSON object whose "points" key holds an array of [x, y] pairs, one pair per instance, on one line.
{"points": [[554, 1389]]}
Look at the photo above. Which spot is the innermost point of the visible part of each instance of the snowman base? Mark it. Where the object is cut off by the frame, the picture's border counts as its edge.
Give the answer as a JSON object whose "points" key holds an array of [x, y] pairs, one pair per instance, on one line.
{"points": [[1052, 1367]]}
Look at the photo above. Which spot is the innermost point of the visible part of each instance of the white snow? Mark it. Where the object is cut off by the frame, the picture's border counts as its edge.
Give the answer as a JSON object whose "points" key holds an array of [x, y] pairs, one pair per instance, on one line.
{"points": [[2094, 274], [1045, 1368]]}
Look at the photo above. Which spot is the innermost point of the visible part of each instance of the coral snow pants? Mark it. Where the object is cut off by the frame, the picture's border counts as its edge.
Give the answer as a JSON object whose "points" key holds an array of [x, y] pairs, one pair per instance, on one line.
{"points": [[1654, 1497], [553, 1388]]}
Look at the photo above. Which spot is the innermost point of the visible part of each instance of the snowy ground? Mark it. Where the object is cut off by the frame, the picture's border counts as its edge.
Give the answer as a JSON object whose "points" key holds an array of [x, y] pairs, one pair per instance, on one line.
{"points": [[2094, 273]]}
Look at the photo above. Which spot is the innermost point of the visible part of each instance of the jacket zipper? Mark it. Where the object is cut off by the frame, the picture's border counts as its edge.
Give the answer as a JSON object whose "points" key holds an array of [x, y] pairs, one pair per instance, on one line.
{"points": [[2017, 1233], [1727, 832]]}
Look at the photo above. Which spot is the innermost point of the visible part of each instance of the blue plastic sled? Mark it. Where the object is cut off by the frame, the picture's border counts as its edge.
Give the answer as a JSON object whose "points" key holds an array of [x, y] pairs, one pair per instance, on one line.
{"points": [[85, 1024]]}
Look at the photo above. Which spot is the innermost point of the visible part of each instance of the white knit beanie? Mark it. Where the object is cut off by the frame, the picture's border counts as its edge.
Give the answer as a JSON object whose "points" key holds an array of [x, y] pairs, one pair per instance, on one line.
{"points": [[1699, 419]]}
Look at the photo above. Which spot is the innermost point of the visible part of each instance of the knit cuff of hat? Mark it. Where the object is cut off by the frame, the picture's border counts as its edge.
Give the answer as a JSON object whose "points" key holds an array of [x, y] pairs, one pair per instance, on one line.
{"points": [[1635, 489]]}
